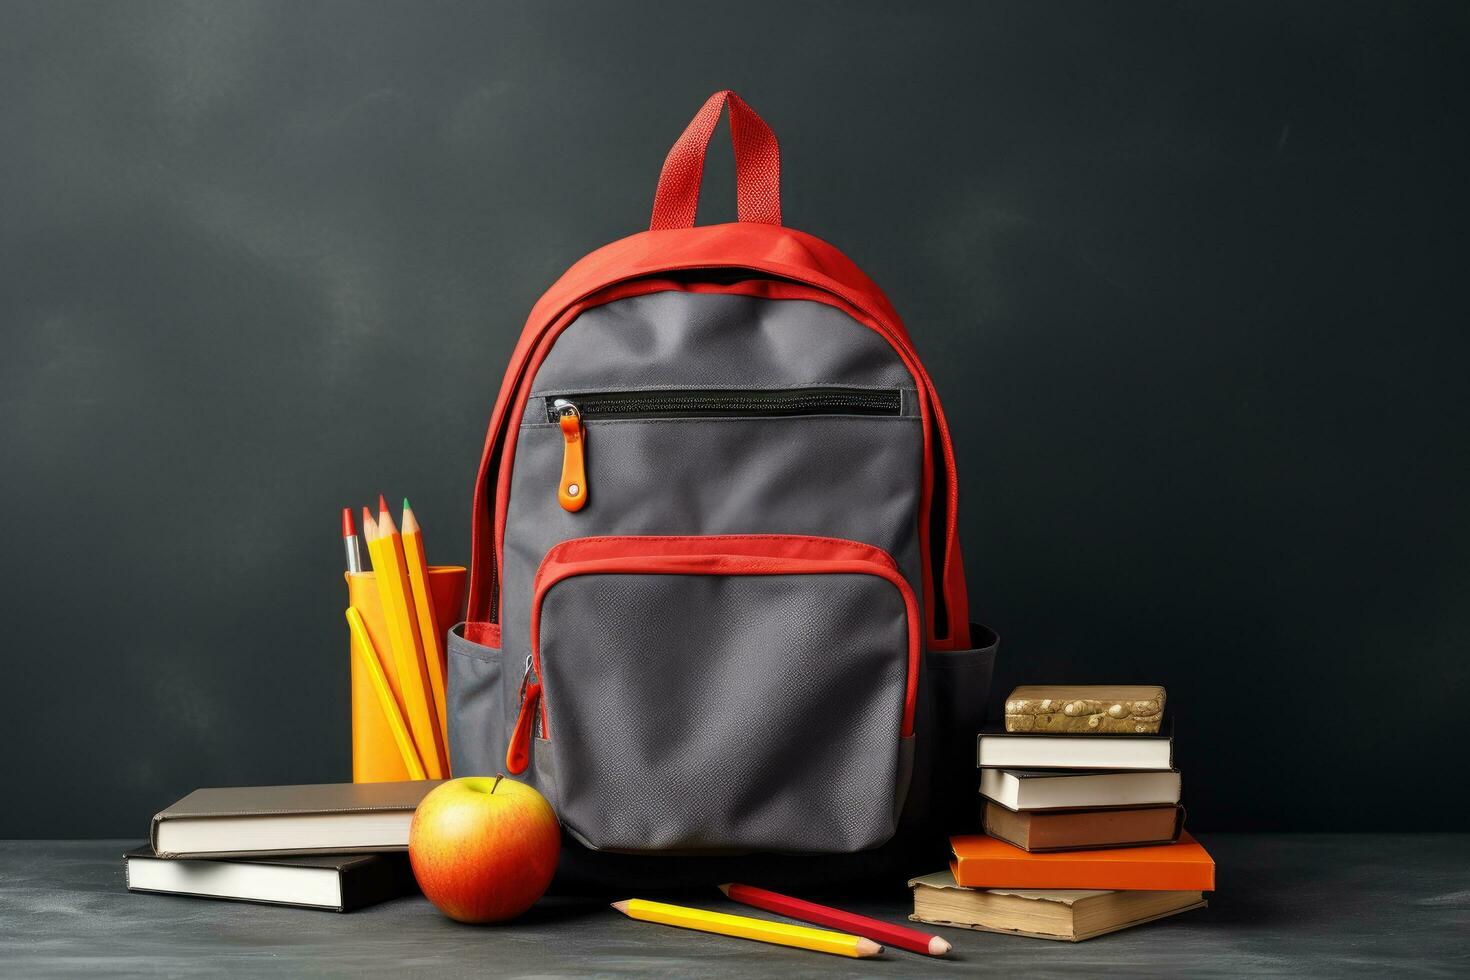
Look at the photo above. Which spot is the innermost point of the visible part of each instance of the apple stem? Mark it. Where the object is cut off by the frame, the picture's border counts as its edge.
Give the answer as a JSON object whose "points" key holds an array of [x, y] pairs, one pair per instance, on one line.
{"points": [[498, 777]]}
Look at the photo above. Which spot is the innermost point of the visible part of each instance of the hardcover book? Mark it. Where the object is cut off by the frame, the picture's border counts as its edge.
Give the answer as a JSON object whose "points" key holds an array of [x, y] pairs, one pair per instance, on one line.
{"points": [[1074, 830], [337, 883], [1067, 915], [1100, 708], [1070, 789], [981, 861], [1017, 750], [254, 821]]}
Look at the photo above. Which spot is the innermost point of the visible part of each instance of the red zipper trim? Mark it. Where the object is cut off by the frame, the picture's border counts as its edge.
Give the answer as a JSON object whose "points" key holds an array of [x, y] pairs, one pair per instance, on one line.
{"points": [[728, 554]]}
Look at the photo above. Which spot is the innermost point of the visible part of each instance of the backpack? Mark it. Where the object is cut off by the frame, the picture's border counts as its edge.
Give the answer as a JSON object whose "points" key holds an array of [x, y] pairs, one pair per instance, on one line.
{"points": [[717, 606]]}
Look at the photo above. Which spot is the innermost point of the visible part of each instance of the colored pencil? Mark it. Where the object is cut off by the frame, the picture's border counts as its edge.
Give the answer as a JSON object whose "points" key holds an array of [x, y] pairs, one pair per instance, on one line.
{"points": [[413, 672], [886, 932], [403, 643], [349, 542], [390, 667], [744, 927], [367, 655], [428, 616]]}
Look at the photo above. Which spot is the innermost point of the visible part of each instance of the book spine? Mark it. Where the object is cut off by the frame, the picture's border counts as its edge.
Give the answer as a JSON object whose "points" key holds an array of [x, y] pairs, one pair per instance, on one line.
{"points": [[1135, 876], [370, 882]]}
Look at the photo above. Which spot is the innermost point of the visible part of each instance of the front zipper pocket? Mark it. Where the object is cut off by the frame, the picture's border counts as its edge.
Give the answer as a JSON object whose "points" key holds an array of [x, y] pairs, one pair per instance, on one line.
{"points": [[571, 411], [727, 403], [724, 693]]}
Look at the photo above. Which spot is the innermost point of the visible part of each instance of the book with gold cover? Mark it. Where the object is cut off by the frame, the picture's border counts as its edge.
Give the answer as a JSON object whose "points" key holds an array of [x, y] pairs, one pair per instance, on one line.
{"points": [[1112, 709]]}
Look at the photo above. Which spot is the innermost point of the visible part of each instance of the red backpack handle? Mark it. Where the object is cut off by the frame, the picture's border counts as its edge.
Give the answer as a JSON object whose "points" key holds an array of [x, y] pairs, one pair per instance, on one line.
{"points": [[757, 167]]}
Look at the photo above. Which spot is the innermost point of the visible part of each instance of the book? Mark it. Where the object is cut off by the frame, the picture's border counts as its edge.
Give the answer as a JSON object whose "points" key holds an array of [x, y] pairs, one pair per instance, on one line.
{"points": [[1064, 830], [1030, 750], [1071, 789], [981, 861], [1069, 915], [254, 821], [1135, 709], [337, 883]]}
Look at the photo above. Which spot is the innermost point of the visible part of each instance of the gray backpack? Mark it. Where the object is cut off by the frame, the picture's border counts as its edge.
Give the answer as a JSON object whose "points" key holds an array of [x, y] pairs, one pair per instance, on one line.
{"points": [[717, 605]]}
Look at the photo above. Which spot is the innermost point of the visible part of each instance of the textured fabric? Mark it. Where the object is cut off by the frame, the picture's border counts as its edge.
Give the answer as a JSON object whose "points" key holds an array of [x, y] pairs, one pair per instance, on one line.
{"points": [[757, 167], [701, 712], [692, 340], [851, 477], [478, 702], [484, 692], [838, 476]]}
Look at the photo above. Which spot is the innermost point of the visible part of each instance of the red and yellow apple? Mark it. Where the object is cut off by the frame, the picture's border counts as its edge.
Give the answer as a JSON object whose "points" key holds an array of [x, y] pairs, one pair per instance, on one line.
{"points": [[483, 848]]}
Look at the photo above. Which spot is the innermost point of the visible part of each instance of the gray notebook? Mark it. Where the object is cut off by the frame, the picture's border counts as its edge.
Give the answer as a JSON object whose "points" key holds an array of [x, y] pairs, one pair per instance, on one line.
{"points": [[322, 818]]}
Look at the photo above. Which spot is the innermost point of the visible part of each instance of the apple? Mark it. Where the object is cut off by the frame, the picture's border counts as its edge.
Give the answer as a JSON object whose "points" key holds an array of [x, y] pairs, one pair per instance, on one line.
{"points": [[483, 848]]}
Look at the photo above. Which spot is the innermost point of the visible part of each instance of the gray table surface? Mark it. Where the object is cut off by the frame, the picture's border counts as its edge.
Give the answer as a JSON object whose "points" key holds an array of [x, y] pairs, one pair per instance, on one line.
{"points": [[1288, 905]]}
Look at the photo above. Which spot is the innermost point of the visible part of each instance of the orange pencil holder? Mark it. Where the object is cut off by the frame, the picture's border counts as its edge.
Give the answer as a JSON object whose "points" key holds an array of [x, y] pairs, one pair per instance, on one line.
{"points": [[375, 757]]}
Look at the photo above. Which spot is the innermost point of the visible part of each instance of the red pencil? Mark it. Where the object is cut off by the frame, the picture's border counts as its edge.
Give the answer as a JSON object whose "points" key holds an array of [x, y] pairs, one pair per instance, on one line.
{"points": [[859, 925]]}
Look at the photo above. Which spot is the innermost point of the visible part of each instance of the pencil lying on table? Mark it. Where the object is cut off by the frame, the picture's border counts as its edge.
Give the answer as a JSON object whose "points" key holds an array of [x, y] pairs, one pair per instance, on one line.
{"points": [[744, 927], [891, 933]]}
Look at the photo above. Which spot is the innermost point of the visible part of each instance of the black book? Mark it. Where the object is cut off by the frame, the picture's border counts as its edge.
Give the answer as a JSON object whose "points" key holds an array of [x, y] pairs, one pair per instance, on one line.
{"points": [[335, 882]]}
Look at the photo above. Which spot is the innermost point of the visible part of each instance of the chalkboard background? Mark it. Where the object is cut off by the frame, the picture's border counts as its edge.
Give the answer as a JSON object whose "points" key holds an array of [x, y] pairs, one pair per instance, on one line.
{"points": [[1191, 279]]}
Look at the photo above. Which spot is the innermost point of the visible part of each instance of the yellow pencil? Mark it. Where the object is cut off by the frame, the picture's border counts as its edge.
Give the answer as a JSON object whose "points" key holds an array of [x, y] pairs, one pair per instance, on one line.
{"points": [[428, 616], [745, 927], [368, 655], [386, 550]]}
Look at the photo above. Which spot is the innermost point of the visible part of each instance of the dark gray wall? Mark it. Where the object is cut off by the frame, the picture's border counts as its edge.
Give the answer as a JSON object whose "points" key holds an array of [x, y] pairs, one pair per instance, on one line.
{"points": [[1191, 280]]}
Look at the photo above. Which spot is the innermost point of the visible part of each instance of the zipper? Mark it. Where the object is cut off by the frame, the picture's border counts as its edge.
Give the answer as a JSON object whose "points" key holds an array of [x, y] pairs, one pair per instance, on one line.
{"points": [[518, 751], [729, 554], [571, 492], [692, 403], [569, 412]]}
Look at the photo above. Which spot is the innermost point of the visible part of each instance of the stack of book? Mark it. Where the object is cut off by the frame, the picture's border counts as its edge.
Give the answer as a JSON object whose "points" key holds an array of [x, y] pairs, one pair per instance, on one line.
{"points": [[1084, 833], [335, 846]]}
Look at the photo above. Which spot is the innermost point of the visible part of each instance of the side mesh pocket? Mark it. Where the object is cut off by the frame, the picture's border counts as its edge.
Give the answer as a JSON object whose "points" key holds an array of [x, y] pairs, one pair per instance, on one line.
{"points": [[477, 707], [961, 681]]}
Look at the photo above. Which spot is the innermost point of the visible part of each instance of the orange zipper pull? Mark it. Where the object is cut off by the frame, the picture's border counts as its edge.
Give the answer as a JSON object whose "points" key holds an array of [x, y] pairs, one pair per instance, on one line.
{"points": [[572, 492], [518, 752]]}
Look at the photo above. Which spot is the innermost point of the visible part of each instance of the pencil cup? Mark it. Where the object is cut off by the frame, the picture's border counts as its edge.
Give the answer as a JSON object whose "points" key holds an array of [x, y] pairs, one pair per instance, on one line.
{"points": [[375, 755]]}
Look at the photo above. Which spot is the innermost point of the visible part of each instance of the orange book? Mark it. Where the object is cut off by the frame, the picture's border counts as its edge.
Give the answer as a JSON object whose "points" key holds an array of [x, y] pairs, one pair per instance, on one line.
{"points": [[984, 862]]}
